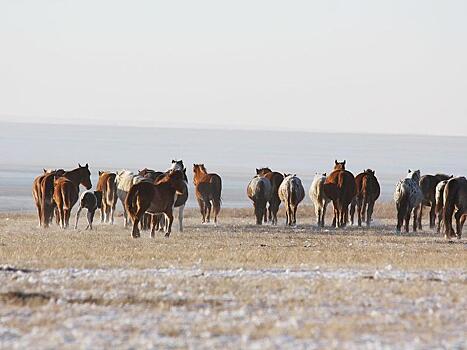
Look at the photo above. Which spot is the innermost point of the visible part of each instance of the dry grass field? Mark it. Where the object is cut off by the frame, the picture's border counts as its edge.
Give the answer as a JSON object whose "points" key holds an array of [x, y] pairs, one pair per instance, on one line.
{"points": [[234, 285]]}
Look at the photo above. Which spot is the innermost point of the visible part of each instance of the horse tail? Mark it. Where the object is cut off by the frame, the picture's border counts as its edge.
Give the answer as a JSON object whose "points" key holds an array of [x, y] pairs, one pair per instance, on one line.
{"points": [[216, 182], [293, 192], [131, 201], [45, 191], [111, 191], [138, 196], [450, 191]]}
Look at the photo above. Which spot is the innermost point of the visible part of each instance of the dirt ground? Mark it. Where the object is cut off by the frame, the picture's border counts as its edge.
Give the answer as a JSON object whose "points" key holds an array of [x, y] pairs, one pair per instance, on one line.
{"points": [[233, 285]]}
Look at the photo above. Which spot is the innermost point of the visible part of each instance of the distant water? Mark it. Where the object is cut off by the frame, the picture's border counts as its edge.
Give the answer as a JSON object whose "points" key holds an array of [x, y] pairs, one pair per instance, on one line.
{"points": [[234, 154]]}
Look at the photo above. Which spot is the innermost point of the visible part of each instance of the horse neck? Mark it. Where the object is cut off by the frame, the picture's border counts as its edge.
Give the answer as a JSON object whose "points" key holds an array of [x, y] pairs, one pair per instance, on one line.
{"points": [[74, 176], [198, 175]]}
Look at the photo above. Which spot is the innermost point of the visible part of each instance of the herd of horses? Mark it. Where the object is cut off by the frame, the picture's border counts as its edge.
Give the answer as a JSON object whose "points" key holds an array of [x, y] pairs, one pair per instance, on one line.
{"points": [[149, 197]]}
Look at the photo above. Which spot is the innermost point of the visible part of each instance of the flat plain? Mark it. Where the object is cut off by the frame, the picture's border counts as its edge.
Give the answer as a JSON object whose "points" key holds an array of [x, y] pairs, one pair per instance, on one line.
{"points": [[234, 285]]}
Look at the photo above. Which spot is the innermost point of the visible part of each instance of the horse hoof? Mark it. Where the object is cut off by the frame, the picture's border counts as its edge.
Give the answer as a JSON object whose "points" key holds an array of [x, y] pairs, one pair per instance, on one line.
{"points": [[167, 235]]}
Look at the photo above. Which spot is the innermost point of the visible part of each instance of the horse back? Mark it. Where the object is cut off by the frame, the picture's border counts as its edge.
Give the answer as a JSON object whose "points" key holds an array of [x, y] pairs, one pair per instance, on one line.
{"points": [[369, 187]]}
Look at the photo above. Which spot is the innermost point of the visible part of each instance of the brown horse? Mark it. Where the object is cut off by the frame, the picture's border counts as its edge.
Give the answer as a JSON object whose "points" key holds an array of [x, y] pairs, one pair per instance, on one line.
{"points": [[108, 188], [455, 197], [276, 179], [66, 191], [428, 185], [340, 188], [368, 191], [37, 193], [208, 188], [158, 198]]}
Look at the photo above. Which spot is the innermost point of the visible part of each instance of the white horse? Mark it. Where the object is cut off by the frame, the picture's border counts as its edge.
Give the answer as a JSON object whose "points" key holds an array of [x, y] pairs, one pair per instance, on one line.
{"points": [[319, 198], [408, 196], [124, 179], [291, 193]]}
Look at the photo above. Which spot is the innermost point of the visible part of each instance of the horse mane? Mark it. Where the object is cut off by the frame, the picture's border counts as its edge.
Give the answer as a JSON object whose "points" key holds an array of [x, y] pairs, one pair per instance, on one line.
{"points": [[263, 171]]}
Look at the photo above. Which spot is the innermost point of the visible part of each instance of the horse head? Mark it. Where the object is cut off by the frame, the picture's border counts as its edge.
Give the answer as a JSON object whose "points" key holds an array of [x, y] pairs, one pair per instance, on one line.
{"points": [[177, 181], [339, 165], [85, 176]]}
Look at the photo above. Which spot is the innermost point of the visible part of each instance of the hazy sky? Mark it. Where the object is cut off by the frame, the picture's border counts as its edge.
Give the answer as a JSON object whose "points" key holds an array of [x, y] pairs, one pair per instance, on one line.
{"points": [[350, 66]]}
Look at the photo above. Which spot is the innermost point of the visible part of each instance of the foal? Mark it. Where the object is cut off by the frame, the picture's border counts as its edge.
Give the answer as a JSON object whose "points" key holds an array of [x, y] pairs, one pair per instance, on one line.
{"points": [[91, 200]]}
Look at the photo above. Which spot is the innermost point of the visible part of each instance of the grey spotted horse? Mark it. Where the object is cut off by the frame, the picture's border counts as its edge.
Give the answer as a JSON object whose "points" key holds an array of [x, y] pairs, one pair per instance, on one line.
{"points": [[408, 197]]}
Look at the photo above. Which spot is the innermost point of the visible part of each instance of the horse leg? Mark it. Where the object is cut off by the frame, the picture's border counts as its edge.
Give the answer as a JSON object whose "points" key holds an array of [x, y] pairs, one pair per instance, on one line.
{"points": [[295, 215], [459, 229], [432, 214], [318, 216], [77, 217], [458, 216], [170, 218], [265, 218], [154, 221], [139, 214], [90, 217], [112, 212], [417, 218], [180, 217], [369, 213], [360, 210], [103, 218], [352, 211], [407, 219], [208, 210], [271, 207], [201, 208]]}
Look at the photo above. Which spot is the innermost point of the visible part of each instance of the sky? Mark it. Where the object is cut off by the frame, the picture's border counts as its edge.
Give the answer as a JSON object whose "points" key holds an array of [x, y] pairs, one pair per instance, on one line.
{"points": [[394, 66]]}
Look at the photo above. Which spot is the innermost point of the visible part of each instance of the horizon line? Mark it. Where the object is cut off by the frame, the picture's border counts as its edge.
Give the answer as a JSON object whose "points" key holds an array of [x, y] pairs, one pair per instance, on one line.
{"points": [[201, 126]]}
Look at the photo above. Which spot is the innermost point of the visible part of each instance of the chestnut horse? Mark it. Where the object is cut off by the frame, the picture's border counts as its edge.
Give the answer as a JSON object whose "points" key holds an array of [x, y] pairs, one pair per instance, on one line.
{"points": [[428, 185], [66, 191], [339, 187], [154, 198], [208, 188], [291, 192], [108, 188], [455, 197], [368, 191], [274, 203], [37, 194], [180, 200], [259, 191]]}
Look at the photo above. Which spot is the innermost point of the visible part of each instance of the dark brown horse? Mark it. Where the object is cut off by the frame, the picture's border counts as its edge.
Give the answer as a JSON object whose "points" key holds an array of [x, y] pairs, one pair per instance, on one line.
{"points": [[428, 185], [152, 175], [340, 188], [108, 188], [276, 179], [368, 191], [37, 194], [158, 198], [208, 189], [66, 191], [455, 199]]}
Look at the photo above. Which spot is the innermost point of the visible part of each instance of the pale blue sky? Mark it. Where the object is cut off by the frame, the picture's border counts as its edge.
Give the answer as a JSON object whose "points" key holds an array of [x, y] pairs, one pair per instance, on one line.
{"points": [[348, 66]]}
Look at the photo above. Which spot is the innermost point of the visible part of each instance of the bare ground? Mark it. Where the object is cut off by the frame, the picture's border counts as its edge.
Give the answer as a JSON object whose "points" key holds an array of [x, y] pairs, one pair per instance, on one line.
{"points": [[234, 285]]}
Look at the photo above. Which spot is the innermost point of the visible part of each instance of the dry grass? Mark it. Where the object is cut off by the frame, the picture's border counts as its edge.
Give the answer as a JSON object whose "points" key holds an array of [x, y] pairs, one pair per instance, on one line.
{"points": [[373, 288], [234, 243]]}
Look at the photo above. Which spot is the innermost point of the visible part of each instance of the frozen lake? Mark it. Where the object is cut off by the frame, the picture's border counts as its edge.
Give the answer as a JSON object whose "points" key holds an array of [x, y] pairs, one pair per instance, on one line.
{"points": [[234, 154]]}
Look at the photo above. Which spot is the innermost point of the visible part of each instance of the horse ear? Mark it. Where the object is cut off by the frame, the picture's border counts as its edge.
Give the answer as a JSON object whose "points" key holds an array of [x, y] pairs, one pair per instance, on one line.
{"points": [[174, 161], [100, 173], [257, 171], [410, 171], [79, 165], [335, 161], [87, 165], [45, 171], [343, 162], [324, 174]]}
